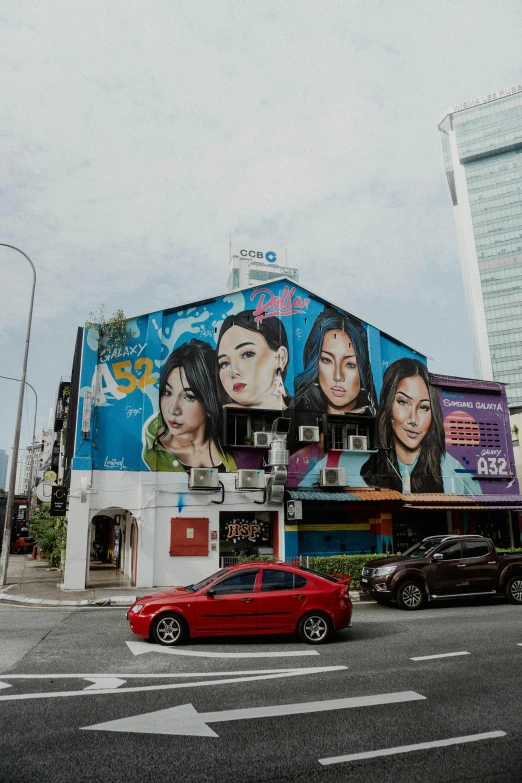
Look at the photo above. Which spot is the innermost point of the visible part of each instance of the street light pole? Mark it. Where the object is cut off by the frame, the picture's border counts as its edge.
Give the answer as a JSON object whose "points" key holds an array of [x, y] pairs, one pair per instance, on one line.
{"points": [[6, 541], [30, 483]]}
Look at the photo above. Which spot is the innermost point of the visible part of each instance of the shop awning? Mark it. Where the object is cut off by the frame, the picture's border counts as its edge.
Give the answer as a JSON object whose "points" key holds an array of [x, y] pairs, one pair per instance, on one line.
{"points": [[346, 496], [412, 500], [318, 494]]}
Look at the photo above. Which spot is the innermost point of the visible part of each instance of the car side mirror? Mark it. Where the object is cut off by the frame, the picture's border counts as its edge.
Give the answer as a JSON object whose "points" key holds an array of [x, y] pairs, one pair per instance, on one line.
{"points": [[211, 592], [437, 557]]}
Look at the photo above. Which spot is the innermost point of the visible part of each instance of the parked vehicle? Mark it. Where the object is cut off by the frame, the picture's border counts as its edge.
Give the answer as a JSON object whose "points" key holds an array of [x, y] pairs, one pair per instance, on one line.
{"points": [[22, 545], [442, 567], [246, 599]]}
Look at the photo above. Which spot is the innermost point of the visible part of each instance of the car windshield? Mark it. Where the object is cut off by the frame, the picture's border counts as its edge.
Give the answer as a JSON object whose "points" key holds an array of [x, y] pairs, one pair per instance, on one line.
{"points": [[422, 549], [204, 582]]}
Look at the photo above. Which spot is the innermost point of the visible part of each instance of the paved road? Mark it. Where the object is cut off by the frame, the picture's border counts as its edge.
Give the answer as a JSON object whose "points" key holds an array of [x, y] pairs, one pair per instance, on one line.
{"points": [[255, 731]]}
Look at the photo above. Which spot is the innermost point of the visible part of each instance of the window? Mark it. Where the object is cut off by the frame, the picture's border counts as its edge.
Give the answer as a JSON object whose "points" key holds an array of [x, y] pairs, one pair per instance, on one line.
{"points": [[452, 552], [239, 583], [340, 431], [477, 548], [281, 580], [240, 427]]}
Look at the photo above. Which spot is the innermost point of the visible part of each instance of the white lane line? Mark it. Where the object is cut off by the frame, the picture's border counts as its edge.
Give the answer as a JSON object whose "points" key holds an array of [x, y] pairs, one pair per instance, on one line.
{"points": [[5, 685], [408, 748], [519, 644], [442, 655], [127, 676], [140, 648], [170, 686]]}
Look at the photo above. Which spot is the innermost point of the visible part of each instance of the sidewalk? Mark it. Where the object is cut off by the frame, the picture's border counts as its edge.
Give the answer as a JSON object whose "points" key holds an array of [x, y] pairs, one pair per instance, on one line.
{"points": [[35, 582]]}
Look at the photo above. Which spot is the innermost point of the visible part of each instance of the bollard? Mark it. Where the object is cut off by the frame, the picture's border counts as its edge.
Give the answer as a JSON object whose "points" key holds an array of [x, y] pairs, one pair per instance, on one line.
{"points": [[33, 553]]}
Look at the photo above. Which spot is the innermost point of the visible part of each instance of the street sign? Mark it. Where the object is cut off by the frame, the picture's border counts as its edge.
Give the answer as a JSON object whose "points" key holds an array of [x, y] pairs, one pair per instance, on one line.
{"points": [[294, 510], [44, 491], [58, 501]]}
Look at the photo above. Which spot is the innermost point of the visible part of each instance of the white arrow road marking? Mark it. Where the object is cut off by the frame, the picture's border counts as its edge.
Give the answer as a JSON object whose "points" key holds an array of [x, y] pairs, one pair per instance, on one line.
{"points": [[5, 685], [185, 720], [126, 676], [87, 692], [407, 748], [442, 655], [104, 683], [140, 648]]}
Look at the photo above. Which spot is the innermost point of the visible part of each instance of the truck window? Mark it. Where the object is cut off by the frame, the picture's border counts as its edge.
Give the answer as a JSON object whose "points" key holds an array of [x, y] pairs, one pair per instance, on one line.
{"points": [[422, 549], [477, 548], [452, 551]]}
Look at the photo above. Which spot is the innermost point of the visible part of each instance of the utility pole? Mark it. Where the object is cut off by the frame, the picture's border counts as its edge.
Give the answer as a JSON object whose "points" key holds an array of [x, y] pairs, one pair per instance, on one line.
{"points": [[6, 541]]}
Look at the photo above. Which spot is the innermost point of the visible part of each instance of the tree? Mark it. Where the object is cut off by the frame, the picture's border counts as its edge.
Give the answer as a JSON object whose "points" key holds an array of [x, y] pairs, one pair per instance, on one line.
{"points": [[50, 534]]}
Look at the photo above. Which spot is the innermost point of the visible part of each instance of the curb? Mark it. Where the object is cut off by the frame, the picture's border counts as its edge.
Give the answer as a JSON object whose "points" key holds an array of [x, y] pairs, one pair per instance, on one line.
{"points": [[122, 600]]}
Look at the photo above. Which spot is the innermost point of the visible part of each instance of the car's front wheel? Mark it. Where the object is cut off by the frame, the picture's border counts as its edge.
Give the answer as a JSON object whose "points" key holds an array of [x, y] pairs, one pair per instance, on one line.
{"points": [[514, 590], [314, 628], [169, 630], [410, 596]]}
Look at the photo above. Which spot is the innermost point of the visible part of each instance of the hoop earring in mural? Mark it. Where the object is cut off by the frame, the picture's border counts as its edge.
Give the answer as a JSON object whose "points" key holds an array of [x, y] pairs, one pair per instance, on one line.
{"points": [[279, 387]]}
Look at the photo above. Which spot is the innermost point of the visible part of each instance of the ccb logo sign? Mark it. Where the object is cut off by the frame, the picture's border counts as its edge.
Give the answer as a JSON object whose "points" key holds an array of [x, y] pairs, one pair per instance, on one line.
{"points": [[270, 256]]}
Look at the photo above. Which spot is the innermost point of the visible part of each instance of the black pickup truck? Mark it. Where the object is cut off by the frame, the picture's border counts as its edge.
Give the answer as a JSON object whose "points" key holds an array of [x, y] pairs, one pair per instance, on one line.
{"points": [[444, 567]]}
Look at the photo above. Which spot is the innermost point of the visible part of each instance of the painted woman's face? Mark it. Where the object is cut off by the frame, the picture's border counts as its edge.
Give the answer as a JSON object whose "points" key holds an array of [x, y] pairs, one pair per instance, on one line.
{"points": [[411, 414], [339, 377], [248, 366], [182, 412]]}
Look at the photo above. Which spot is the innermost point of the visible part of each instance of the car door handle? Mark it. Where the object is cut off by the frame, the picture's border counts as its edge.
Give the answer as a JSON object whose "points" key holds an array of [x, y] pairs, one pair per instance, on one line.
{"points": [[246, 600], [492, 562], [462, 565], [298, 596]]}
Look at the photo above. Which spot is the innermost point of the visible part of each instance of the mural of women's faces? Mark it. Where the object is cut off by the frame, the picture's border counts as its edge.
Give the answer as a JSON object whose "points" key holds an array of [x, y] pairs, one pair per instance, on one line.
{"points": [[410, 431], [337, 377], [186, 430], [252, 360]]}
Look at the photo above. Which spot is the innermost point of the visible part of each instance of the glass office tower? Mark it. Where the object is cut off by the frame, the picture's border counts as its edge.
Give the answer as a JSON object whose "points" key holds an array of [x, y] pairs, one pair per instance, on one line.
{"points": [[482, 149]]}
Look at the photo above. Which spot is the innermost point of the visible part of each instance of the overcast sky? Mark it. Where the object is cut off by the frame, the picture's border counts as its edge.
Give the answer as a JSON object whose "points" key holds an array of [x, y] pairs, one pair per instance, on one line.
{"points": [[137, 137]]}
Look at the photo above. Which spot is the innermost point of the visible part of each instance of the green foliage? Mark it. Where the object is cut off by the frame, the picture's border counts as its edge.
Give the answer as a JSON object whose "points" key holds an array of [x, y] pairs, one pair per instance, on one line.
{"points": [[50, 534], [113, 330], [351, 565], [510, 551]]}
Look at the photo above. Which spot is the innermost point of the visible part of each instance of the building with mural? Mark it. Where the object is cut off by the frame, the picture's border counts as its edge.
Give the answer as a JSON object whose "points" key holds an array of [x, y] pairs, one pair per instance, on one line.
{"points": [[269, 421]]}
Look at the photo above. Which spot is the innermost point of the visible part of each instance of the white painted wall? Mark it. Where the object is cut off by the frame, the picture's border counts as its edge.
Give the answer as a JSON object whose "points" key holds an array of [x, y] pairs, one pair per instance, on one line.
{"points": [[153, 499]]}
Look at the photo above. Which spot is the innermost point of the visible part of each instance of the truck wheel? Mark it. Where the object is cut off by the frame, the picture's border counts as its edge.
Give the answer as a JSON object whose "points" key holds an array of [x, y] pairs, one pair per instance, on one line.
{"points": [[514, 590], [410, 596]]}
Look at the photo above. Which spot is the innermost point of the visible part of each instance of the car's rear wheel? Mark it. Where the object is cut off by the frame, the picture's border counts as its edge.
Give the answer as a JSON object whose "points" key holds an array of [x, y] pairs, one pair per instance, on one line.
{"points": [[514, 590], [314, 628], [169, 630], [410, 596]]}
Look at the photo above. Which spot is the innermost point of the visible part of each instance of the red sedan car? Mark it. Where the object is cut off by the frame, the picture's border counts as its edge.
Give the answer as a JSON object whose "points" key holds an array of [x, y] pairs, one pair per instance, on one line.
{"points": [[246, 599]]}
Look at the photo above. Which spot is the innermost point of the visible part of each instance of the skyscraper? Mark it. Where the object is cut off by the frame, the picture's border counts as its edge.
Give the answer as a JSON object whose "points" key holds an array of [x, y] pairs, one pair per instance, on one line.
{"points": [[4, 459], [482, 149]]}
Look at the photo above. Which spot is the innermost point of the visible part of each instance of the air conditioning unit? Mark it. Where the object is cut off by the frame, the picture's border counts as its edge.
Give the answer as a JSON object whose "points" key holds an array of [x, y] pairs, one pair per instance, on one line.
{"points": [[309, 434], [262, 438], [358, 443], [204, 478], [250, 479], [333, 477]]}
